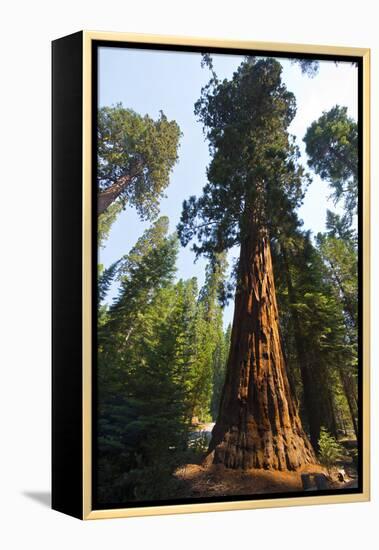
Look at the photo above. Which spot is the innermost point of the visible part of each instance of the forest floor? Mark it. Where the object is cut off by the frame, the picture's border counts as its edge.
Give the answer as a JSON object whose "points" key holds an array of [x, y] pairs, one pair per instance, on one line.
{"points": [[203, 480]]}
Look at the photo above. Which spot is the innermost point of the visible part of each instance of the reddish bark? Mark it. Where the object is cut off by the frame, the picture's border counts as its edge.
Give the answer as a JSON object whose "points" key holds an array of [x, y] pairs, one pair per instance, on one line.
{"points": [[258, 424], [107, 197]]}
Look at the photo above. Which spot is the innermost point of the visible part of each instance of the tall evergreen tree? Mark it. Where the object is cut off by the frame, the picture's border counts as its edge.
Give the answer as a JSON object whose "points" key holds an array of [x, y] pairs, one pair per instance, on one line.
{"points": [[254, 182], [313, 330], [338, 249], [141, 415], [332, 147], [105, 279], [219, 363], [136, 155], [341, 258], [210, 335]]}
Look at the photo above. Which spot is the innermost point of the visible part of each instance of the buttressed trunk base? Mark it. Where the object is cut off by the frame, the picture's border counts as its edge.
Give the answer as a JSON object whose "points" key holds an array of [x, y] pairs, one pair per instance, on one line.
{"points": [[258, 424]]}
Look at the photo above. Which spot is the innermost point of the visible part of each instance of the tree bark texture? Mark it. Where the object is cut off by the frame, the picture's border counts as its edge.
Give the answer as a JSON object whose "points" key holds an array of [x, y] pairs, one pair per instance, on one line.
{"points": [[258, 425], [107, 197]]}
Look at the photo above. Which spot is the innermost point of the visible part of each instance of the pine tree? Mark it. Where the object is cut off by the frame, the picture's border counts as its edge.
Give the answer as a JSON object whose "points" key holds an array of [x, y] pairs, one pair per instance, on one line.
{"points": [[141, 416], [314, 330], [105, 280], [339, 251], [332, 147], [210, 334]]}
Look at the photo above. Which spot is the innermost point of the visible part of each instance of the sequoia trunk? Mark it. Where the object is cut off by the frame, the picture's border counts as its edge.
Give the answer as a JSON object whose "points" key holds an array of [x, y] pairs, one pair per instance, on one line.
{"points": [[258, 424], [107, 197]]}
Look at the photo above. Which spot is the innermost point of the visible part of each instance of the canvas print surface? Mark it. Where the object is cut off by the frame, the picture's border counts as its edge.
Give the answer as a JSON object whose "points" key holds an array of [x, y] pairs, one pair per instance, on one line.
{"points": [[227, 321]]}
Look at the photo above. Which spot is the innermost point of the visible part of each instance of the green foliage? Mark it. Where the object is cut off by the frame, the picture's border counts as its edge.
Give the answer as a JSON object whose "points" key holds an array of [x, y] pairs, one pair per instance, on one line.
{"points": [[332, 148], [340, 227], [149, 266], [210, 338], [254, 163], [355, 457], [105, 280], [254, 179], [321, 356], [309, 67], [220, 359], [162, 350], [341, 258], [155, 361], [106, 220], [329, 450], [140, 395], [144, 483], [345, 428], [338, 249], [137, 153]]}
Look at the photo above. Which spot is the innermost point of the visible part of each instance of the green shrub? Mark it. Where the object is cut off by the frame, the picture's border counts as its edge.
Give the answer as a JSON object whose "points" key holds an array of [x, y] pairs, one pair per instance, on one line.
{"points": [[330, 451]]}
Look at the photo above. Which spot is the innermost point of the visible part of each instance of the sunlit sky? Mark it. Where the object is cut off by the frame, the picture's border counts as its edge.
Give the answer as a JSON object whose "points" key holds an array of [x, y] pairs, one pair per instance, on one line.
{"points": [[150, 81]]}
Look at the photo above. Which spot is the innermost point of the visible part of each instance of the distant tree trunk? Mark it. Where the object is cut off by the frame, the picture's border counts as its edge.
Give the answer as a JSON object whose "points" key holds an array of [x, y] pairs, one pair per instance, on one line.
{"points": [[349, 386], [317, 401], [258, 425]]}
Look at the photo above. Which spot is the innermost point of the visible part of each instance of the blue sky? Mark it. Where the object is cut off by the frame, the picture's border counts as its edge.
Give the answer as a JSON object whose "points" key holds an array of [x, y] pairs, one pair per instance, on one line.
{"points": [[150, 81]]}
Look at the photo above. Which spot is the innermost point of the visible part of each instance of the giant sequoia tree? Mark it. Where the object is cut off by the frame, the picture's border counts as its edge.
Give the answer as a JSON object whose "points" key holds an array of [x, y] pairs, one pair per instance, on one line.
{"points": [[254, 185], [135, 157]]}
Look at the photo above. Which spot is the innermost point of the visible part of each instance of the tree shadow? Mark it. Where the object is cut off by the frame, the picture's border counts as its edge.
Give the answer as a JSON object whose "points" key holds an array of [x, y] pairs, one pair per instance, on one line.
{"points": [[42, 497]]}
